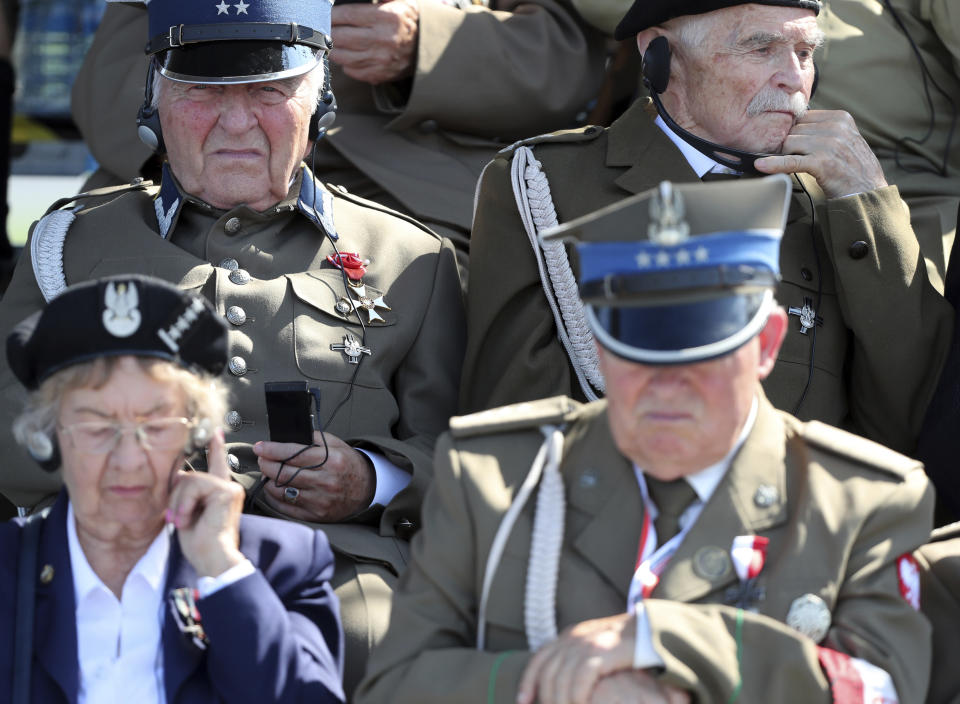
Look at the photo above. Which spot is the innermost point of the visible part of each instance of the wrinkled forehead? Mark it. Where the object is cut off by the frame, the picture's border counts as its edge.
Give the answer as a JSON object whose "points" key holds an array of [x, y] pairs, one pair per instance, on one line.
{"points": [[751, 24]]}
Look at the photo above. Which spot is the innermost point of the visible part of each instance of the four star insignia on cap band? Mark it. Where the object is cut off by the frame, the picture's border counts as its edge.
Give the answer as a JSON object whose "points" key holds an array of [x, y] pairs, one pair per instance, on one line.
{"points": [[662, 259]]}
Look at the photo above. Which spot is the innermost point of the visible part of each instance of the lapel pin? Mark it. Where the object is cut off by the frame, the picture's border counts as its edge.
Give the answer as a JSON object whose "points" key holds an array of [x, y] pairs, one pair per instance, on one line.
{"points": [[711, 563], [810, 616], [46, 574]]}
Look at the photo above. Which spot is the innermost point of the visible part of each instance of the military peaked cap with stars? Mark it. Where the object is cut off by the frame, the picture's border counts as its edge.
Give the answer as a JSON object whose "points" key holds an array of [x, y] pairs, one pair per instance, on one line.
{"points": [[237, 41], [117, 316], [649, 13], [684, 272]]}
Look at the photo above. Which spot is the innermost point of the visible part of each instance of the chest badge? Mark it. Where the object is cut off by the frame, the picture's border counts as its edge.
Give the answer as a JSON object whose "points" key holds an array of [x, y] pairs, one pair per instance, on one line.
{"points": [[808, 316], [352, 348]]}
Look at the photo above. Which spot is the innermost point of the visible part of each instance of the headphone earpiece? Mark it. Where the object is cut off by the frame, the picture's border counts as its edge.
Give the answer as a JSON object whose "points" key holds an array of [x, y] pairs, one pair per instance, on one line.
{"points": [[148, 119], [148, 128], [656, 65], [200, 436], [44, 450], [324, 116]]}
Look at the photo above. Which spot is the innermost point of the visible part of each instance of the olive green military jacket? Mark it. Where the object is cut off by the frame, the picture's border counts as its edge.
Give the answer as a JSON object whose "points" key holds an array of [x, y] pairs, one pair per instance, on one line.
{"points": [[940, 599], [838, 511], [877, 351], [289, 319], [484, 77], [866, 48]]}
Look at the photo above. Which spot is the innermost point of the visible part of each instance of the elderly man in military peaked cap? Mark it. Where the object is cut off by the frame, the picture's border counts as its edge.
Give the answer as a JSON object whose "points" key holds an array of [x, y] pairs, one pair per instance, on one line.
{"points": [[729, 85], [687, 542], [312, 291]]}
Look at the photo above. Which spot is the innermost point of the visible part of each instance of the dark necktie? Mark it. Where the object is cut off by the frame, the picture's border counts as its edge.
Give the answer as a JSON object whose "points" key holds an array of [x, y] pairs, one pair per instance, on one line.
{"points": [[671, 498]]}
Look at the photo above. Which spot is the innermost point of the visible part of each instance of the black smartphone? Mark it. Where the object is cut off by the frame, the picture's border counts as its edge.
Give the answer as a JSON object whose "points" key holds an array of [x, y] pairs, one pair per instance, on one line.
{"points": [[290, 411]]}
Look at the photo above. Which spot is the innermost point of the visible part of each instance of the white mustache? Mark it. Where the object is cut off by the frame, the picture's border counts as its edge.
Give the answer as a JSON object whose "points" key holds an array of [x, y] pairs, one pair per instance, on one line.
{"points": [[770, 99]]}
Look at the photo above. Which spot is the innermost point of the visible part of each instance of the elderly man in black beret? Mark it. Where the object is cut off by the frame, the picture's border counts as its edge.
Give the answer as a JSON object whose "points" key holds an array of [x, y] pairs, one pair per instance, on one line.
{"points": [[729, 83]]}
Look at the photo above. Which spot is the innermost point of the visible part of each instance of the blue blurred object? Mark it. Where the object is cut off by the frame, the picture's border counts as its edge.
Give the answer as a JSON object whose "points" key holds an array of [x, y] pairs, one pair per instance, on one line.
{"points": [[52, 38]]}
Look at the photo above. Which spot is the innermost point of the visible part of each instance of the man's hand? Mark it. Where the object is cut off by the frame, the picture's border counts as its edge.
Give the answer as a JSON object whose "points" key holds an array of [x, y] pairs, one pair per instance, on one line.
{"points": [[827, 145], [566, 670], [344, 485], [376, 43], [636, 686], [205, 507]]}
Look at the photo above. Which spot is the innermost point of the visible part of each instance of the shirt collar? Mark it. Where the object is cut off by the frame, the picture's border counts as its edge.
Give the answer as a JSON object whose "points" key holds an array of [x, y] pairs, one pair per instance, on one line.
{"points": [[705, 482], [699, 162], [307, 194], [152, 566]]}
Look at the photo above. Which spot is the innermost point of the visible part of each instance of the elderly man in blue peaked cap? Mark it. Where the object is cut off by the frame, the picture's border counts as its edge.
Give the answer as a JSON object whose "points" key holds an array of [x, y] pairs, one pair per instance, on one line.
{"points": [[688, 543], [371, 334]]}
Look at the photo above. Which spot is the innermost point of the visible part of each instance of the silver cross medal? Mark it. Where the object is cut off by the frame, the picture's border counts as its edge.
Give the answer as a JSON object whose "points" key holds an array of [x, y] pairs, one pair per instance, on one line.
{"points": [[808, 316], [352, 348], [364, 302]]}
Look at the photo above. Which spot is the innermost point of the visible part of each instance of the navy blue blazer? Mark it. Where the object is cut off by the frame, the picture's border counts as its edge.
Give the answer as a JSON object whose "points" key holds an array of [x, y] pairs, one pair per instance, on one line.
{"points": [[274, 636]]}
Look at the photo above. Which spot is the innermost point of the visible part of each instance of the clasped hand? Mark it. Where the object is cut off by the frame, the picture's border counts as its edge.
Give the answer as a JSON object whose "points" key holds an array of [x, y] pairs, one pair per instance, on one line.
{"points": [[592, 661], [376, 43]]}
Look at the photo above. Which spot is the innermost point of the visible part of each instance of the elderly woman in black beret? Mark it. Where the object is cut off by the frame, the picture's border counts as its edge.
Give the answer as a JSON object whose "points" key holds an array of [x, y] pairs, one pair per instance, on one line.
{"points": [[143, 582]]}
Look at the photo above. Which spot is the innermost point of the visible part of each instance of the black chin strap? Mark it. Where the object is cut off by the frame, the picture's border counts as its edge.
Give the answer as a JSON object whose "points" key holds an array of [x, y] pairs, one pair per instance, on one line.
{"points": [[727, 156]]}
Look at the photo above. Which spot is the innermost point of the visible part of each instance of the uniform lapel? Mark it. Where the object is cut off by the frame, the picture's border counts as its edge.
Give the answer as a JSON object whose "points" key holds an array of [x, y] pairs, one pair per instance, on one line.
{"points": [[603, 490], [180, 656], [55, 623], [634, 140], [750, 499]]}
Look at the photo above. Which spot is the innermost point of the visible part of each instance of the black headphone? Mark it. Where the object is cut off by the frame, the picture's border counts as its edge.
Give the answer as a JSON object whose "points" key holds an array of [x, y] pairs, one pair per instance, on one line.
{"points": [[148, 121], [151, 134]]}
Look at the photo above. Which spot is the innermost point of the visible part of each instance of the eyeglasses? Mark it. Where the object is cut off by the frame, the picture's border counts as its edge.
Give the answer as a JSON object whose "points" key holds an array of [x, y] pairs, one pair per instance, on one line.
{"points": [[99, 437]]}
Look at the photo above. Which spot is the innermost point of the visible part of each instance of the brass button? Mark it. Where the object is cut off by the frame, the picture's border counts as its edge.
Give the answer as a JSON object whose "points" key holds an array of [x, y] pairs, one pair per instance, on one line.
{"points": [[229, 264], [859, 249], [234, 420], [236, 315], [238, 366], [240, 277], [232, 226], [233, 462]]}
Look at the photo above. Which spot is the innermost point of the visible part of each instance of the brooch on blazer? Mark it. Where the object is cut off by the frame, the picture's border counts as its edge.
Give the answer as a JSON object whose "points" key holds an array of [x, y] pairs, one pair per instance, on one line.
{"points": [[183, 605]]}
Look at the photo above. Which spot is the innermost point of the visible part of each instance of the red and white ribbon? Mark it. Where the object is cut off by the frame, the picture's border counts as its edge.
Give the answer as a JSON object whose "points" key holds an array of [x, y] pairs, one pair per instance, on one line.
{"points": [[749, 554]]}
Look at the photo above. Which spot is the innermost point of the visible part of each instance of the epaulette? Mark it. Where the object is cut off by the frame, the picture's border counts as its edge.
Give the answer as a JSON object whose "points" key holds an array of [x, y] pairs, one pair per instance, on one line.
{"points": [[860, 450], [138, 184], [580, 134], [517, 416], [357, 200]]}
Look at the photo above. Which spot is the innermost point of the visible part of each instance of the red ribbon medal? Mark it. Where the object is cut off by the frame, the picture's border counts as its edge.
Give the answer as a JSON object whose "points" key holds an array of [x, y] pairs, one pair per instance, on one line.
{"points": [[351, 263]]}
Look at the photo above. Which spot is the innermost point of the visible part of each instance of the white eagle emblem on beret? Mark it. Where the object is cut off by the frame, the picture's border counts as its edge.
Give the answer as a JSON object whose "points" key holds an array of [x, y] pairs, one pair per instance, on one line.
{"points": [[121, 318]]}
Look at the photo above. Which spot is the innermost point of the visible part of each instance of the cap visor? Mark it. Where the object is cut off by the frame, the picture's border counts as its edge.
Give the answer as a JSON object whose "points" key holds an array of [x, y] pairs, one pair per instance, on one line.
{"points": [[237, 61], [680, 333]]}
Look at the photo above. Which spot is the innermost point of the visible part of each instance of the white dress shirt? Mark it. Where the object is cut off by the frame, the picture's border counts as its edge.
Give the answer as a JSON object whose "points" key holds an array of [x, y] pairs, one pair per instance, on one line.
{"points": [[119, 641], [704, 483]]}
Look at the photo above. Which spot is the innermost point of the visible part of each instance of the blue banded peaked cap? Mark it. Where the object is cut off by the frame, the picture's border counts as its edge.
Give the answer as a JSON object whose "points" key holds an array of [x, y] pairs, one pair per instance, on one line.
{"points": [[237, 41], [650, 13], [683, 272]]}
